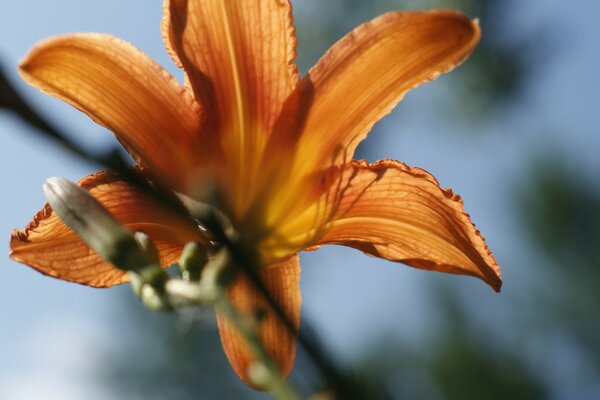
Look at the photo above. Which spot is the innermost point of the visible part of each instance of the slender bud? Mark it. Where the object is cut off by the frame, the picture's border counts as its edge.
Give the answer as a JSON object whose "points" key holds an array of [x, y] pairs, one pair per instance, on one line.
{"points": [[152, 297], [81, 212], [193, 257], [218, 272], [259, 375], [150, 273]]}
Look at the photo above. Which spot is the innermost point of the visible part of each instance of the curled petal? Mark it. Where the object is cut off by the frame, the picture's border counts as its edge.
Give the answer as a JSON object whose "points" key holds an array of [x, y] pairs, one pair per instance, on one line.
{"points": [[122, 89], [53, 249], [364, 75], [167, 34], [283, 282], [401, 214]]}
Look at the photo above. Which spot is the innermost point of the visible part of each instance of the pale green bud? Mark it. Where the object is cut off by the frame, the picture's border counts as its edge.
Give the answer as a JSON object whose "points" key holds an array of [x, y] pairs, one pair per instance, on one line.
{"points": [[81, 212], [192, 260]]}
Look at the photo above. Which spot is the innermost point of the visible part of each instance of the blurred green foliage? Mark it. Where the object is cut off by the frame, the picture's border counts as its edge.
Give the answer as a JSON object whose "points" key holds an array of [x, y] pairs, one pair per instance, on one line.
{"points": [[458, 363], [560, 206]]}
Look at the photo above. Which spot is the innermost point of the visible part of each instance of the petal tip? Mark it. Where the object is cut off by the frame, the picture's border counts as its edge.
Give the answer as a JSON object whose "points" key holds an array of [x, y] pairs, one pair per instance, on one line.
{"points": [[496, 282]]}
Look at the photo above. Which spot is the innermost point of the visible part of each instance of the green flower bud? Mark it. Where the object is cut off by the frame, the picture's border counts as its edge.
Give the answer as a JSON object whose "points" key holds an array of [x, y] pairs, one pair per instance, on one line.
{"points": [[81, 212]]}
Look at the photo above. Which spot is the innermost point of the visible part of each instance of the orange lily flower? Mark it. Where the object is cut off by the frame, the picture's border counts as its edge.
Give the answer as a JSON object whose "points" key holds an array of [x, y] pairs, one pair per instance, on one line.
{"points": [[274, 147]]}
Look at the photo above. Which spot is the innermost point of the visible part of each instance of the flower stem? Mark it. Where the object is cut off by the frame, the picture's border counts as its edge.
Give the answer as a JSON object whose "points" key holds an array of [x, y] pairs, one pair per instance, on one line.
{"points": [[210, 290], [264, 372], [201, 282]]}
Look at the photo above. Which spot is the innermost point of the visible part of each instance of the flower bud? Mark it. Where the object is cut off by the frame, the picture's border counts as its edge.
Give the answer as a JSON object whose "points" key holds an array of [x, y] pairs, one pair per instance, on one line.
{"points": [[81, 212], [192, 260]]}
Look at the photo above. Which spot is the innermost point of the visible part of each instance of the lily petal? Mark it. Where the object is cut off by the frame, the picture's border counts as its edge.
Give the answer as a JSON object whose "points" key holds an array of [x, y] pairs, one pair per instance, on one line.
{"points": [[53, 249], [364, 75], [239, 57], [122, 89], [401, 214], [244, 48], [167, 34], [282, 280]]}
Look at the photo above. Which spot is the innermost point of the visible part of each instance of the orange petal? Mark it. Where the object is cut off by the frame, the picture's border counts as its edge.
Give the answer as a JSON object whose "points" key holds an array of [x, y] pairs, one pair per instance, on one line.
{"points": [[364, 75], [122, 89], [401, 214], [244, 48], [239, 56], [167, 34], [283, 282], [50, 247]]}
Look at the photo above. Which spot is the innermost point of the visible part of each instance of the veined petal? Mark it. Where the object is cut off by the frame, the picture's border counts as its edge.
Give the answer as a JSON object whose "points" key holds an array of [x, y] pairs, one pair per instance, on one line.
{"points": [[122, 89], [244, 48], [364, 75], [167, 34], [53, 249], [239, 56], [401, 214], [282, 281]]}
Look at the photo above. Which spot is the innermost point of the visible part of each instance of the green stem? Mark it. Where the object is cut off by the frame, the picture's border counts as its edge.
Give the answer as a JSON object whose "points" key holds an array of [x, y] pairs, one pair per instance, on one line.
{"points": [[265, 372], [210, 290], [136, 254]]}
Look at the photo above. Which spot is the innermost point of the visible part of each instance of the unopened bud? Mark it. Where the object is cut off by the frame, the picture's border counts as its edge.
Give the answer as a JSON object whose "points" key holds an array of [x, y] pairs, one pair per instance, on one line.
{"points": [[259, 375], [192, 260], [147, 247], [218, 272], [81, 212]]}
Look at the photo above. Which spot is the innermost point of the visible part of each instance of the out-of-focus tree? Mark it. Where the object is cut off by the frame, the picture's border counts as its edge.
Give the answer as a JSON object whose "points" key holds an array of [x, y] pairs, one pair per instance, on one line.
{"points": [[457, 363], [560, 206]]}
